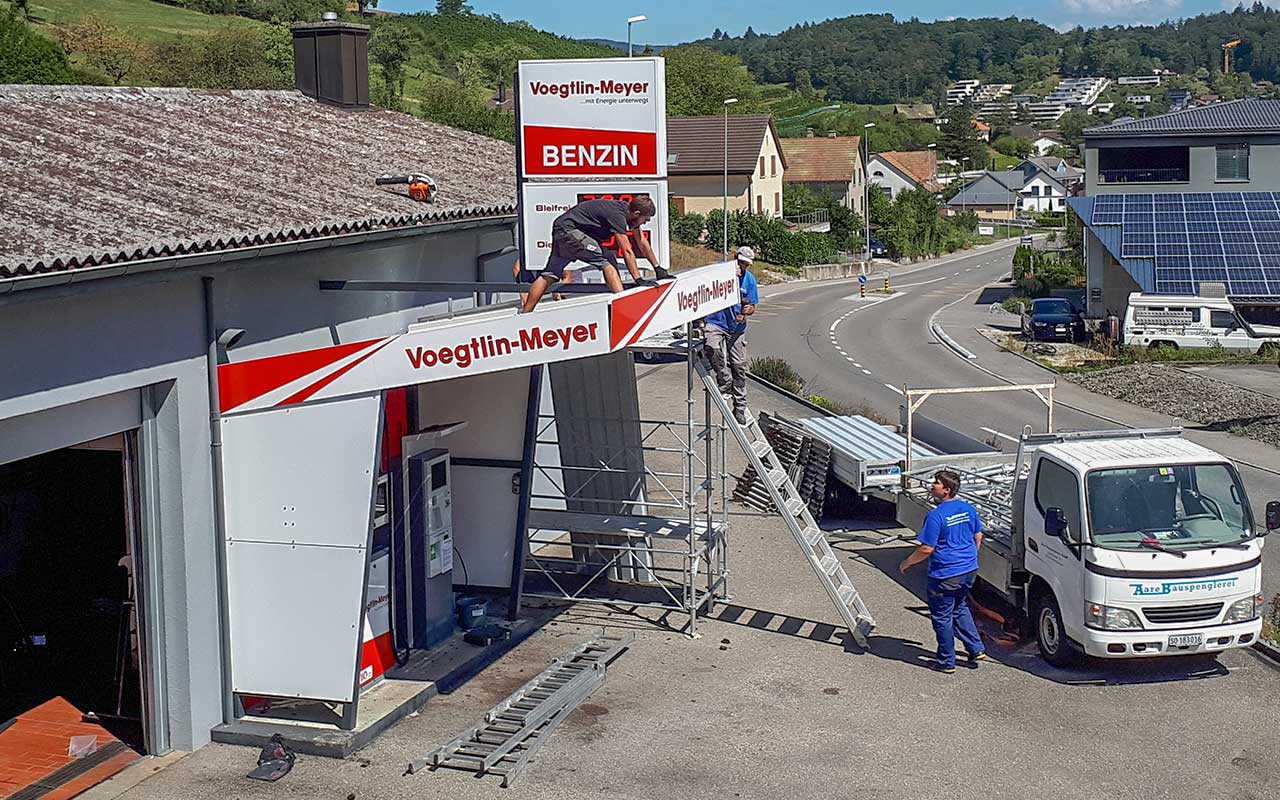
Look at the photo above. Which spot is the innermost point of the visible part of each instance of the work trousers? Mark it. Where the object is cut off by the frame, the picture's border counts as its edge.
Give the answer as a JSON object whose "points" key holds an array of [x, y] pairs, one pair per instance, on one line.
{"points": [[949, 608], [732, 378]]}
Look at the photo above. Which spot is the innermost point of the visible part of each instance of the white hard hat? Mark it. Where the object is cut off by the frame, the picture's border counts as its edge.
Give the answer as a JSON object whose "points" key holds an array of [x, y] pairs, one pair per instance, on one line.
{"points": [[746, 254]]}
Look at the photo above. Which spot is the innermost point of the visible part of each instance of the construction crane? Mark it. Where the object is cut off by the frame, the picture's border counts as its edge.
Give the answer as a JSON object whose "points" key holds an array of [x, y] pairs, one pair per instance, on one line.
{"points": [[1226, 55]]}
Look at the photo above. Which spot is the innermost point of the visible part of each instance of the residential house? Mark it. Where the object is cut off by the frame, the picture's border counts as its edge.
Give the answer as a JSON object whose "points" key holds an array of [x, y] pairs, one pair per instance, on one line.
{"points": [[962, 92], [1139, 80], [1138, 99], [1198, 160], [1061, 171], [920, 112], [830, 165], [992, 195], [983, 129], [696, 163], [1178, 99], [901, 171], [1042, 140], [1043, 193]]}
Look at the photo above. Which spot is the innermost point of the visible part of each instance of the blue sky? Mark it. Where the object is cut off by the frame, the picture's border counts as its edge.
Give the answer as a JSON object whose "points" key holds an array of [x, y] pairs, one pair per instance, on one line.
{"points": [[673, 21]]}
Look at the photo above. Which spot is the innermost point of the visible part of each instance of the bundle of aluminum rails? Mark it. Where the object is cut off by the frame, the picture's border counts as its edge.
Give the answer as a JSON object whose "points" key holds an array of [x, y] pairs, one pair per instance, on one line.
{"points": [[513, 730]]}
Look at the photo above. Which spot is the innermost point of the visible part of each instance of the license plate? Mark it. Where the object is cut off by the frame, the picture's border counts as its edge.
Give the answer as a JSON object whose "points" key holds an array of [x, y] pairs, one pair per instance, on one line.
{"points": [[1187, 640]]}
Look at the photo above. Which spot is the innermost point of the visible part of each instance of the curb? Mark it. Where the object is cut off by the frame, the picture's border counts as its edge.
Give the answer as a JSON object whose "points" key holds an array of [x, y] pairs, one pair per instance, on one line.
{"points": [[1268, 651], [947, 341]]}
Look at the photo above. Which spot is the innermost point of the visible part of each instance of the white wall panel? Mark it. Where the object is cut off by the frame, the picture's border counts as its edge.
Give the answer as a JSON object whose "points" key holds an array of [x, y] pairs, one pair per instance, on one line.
{"points": [[299, 486]]}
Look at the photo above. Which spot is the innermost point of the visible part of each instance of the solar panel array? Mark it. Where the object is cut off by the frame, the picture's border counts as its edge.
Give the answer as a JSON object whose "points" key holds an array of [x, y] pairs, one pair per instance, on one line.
{"points": [[1228, 237]]}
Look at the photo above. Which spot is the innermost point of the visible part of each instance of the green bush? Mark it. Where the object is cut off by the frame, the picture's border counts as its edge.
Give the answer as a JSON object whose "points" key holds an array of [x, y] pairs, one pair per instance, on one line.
{"points": [[686, 228], [1014, 303], [772, 241], [778, 372], [27, 57]]}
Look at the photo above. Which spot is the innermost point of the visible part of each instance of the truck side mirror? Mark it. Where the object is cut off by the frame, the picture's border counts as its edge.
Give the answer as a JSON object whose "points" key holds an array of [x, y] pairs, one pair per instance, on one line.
{"points": [[1055, 523], [1273, 515]]}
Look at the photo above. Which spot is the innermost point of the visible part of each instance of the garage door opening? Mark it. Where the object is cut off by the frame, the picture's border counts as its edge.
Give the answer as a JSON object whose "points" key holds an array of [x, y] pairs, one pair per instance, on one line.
{"points": [[70, 632]]}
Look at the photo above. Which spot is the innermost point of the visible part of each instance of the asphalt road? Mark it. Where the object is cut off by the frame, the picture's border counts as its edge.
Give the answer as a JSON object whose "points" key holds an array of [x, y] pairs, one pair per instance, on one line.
{"points": [[861, 352]]}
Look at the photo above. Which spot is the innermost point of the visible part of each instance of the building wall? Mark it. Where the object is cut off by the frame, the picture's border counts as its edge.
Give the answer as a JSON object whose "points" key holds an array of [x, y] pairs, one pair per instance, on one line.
{"points": [[66, 345], [883, 174], [1264, 166], [766, 181], [1108, 285], [703, 193], [1050, 197]]}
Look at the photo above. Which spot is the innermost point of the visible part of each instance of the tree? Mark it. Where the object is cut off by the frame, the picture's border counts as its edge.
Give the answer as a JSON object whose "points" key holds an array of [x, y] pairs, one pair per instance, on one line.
{"points": [[700, 79], [647, 51], [104, 47], [447, 8], [959, 139], [27, 57], [458, 106], [362, 5], [389, 49], [803, 83], [234, 57], [23, 7], [1013, 146], [716, 35], [749, 34]]}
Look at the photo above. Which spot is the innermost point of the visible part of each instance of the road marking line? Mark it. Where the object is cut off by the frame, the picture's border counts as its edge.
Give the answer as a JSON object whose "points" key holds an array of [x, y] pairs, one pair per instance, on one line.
{"points": [[893, 388], [866, 372], [856, 364], [998, 433], [850, 360]]}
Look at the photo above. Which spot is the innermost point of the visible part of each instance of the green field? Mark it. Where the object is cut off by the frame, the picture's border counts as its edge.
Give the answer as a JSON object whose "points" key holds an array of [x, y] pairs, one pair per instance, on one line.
{"points": [[144, 18]]}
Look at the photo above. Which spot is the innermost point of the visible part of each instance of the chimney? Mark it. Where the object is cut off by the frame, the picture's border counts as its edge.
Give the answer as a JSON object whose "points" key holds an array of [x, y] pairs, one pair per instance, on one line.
{"points": [[831, 134], [331, 61]]}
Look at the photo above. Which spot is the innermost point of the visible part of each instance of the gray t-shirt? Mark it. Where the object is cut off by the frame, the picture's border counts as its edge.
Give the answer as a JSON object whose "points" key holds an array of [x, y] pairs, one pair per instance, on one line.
{"points": [[599, 219]]}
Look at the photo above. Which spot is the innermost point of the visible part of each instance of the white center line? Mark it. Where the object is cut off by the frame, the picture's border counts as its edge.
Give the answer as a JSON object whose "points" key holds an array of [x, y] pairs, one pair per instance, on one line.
{"points": [[856, 364], [995, 432], [891, 387], [866, 372]]}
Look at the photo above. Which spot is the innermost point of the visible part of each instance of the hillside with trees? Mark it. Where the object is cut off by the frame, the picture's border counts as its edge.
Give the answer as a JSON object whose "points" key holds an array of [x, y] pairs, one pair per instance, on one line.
{"points": [[873, 58]]}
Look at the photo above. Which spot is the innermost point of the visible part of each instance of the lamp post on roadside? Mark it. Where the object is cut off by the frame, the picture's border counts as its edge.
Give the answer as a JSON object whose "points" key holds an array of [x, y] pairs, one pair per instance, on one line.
{"points": [[866, 195], [725, 209], [962, 185], [631, 21]]}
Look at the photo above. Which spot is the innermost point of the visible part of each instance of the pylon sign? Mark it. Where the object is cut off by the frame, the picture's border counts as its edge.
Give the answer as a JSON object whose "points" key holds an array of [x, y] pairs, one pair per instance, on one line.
{"points": [[541, 203], [592, 118]]}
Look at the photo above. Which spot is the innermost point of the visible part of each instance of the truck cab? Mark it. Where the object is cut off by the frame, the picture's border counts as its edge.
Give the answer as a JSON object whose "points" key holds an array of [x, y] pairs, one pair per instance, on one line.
{"points": [[1135, 546]]}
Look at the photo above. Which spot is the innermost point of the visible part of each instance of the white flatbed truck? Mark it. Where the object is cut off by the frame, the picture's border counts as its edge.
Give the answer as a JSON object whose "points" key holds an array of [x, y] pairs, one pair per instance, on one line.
{"points": [[1115, 544]]}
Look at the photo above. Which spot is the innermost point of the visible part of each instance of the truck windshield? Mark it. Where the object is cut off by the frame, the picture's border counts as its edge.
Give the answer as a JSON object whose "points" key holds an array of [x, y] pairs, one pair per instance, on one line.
{"points": [[1189, 506]]}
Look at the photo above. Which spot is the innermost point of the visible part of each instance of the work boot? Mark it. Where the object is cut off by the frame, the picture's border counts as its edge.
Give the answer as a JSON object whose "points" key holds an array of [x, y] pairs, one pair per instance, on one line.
{"points": [[974, 659], [740, 415]]}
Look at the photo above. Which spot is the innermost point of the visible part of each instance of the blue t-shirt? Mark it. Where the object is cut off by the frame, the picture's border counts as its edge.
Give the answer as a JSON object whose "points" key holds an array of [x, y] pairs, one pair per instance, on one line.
{"points": [[949, 530], [727, 319]]}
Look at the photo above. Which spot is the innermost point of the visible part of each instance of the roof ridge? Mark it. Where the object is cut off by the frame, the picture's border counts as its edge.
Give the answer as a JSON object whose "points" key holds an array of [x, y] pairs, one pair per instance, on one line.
{"points": [[60, 89]]}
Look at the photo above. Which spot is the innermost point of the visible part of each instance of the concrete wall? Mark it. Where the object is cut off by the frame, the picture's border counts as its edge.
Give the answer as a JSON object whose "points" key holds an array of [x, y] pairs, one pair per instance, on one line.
{"points": [[67, 345], [703, 193], [1264, 165]]}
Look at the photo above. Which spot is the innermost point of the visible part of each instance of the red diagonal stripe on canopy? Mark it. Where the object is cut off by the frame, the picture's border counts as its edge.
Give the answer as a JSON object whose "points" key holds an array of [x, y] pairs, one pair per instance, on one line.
{"points": [[244, 381]]}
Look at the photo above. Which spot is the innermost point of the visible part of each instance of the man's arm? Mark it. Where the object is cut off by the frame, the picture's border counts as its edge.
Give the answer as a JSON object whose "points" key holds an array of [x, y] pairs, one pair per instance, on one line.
{"points": [[628, 255], [751, 296], [920, 554], [646, 250]]}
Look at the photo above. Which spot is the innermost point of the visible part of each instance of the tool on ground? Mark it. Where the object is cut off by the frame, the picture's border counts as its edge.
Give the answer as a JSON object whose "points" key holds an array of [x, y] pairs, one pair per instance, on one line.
{"points": [[795, 513], [512, 730], [421, 187]]}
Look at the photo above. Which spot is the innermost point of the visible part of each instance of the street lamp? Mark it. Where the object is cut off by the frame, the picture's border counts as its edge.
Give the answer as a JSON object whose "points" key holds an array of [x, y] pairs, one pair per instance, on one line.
{"points": [[866, 196], [631, 21], [725, 211], [962, 185]]}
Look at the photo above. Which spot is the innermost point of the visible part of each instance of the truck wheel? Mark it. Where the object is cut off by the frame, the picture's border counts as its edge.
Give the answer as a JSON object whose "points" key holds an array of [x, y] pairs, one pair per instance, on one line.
{"points": [[1051, 636], [1269, 350]]}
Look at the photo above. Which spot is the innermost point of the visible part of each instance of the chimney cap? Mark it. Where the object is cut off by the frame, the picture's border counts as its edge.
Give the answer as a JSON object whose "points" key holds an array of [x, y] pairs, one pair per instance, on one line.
{"points": [[334, 25], [329, 16]]}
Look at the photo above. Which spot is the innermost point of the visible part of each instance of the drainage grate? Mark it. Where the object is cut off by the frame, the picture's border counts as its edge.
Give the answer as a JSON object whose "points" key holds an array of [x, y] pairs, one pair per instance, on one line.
{"points": [[69, 772]]}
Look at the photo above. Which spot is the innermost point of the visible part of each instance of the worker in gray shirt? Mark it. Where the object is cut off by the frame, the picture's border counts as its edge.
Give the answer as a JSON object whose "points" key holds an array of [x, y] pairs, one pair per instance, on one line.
{"points": [[580, 234]]}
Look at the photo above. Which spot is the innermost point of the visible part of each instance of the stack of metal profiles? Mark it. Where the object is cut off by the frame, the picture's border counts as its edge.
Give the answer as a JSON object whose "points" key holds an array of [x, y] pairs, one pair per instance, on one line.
{"points": [[805, 460], [864, 453]]}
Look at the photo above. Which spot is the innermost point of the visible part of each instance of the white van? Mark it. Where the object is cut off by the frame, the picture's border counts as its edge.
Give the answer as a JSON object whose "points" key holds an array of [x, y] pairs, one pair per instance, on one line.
{"points": [[1154, 320]]}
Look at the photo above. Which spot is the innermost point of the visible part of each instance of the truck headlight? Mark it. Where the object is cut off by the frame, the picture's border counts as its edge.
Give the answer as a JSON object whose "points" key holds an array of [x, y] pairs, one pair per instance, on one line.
{"points": [[1245, 610], [1111, 619]]}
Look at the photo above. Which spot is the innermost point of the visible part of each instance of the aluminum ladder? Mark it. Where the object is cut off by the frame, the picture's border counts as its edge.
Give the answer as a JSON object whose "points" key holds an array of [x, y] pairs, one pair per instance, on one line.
{"points": [[795, 513], [505, 742]]}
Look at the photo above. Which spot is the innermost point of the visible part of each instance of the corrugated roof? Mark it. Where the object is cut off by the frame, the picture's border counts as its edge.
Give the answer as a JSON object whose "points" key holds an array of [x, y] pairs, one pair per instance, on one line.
{"points": [[97, 175], [998, 188], [921, 166], [1251, 115], [856, 439], [821, 158], [696, 146]]}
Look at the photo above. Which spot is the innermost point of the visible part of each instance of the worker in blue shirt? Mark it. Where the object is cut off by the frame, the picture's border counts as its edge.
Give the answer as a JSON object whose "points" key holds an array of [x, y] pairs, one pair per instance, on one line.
{"points": [[949, 541], [725, 338]]}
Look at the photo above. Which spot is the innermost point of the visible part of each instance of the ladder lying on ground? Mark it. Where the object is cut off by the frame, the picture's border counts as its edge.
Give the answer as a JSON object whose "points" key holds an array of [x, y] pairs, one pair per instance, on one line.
{"points": [[795, 513], [512, 730]]}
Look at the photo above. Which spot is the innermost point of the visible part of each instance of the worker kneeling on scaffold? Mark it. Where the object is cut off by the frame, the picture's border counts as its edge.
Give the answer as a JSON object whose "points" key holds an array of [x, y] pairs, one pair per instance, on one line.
{"points": [[578, 235]]}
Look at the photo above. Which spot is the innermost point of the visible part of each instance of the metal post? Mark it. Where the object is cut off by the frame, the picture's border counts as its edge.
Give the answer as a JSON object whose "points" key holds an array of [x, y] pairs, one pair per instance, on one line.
{"points": [[219, 515], [910, 412], [521, 548], [724, 220], [691, 562], [886, 284], [866, 202]]}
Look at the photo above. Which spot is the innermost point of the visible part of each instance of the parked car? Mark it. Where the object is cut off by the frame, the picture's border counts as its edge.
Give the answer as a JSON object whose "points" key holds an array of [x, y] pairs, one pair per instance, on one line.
{"points": [[1190, 321], [877, 248], [1052, 318], [1026, 239], [664, 347]]}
